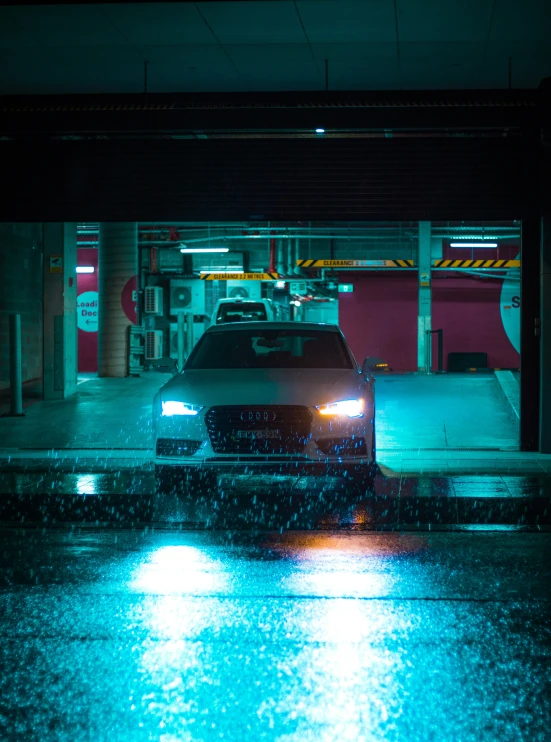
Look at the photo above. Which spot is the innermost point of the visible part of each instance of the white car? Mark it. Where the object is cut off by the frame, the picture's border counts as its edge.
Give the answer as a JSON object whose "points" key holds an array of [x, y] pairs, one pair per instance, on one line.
{"points": [[266, 396], [243, 310]]}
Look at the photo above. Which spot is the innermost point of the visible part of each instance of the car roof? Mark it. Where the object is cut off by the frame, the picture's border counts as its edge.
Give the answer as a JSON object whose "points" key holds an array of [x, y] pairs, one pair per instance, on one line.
{"points": [[239, 300], [233, 326]]}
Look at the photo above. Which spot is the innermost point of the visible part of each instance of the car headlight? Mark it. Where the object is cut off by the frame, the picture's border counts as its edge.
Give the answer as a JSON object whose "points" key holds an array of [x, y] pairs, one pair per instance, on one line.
{"points": [[171, 408], [348, 407]]}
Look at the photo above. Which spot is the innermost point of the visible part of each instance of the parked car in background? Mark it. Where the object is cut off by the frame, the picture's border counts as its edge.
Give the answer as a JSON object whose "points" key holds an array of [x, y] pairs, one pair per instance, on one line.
{"points": [[244, 310]]}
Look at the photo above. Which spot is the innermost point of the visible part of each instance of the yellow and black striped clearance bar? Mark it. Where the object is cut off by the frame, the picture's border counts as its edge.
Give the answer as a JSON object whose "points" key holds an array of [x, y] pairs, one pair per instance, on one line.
{"points": [[239, 276], [476, 263], [355, 263], [313, 263]]}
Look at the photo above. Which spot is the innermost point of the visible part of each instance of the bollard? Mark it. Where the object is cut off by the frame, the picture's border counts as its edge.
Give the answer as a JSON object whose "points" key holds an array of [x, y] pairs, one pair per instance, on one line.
{"points": [[16, 382]]}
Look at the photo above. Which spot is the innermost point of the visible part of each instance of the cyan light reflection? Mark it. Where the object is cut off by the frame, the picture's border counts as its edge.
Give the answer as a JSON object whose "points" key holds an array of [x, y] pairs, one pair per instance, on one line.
{"points": [[350, 667], [180, 581], [86, 484], [179, 570]]}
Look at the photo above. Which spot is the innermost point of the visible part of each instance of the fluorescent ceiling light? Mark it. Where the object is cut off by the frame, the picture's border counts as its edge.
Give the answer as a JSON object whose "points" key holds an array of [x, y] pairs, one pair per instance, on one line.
{"points": [[189, 250], [280, 284], [482, 243], [320, 131], [85, 269], [235, 270]]}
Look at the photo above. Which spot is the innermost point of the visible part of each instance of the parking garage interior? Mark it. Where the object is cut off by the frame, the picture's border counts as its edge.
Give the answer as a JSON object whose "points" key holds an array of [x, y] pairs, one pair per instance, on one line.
{"points": [[437, 304]]}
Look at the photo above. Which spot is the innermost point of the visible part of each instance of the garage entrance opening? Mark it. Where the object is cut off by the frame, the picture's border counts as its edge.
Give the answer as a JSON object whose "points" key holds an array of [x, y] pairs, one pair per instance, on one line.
{"points": [[436, 305]]}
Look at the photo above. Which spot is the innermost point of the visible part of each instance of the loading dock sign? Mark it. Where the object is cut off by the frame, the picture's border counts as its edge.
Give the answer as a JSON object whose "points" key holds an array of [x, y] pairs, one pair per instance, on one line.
{"points": [[87, 311], [56, 264]]}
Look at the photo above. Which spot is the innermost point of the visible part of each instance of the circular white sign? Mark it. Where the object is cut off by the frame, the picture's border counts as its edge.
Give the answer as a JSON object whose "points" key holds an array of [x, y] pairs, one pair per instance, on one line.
{"points": [[87, 311], [510, 306]]}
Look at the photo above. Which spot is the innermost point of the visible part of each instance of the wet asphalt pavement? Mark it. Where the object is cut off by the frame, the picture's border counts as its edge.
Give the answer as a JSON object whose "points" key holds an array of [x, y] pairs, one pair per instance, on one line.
{"points": [[275, 608], [151, 635]]}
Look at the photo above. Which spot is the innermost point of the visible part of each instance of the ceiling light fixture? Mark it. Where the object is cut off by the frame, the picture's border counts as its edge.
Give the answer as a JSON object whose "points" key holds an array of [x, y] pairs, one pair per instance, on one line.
{"points": [[320, 131], [482, 243], [85, 269], [235, 270], [191, 250]]}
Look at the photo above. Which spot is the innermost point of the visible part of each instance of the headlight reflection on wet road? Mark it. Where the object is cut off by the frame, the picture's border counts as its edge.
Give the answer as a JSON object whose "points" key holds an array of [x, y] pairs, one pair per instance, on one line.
{"points": [[296, 636]]}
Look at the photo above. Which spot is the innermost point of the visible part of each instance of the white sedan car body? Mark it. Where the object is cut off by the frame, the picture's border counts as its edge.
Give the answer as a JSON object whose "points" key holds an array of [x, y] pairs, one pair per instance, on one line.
{"points": [[266, 395]]}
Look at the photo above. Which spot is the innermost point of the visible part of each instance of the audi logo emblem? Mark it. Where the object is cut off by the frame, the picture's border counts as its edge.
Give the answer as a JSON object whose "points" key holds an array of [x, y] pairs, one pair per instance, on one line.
{"points": [[258, 416]]}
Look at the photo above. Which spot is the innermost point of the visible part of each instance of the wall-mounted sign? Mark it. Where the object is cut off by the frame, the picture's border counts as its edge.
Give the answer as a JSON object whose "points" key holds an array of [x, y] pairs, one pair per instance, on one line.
{"points": [[313, 263], [129, 299], [346, 288], [240, 276], [56, 264], [87, 311], [510, 306]]}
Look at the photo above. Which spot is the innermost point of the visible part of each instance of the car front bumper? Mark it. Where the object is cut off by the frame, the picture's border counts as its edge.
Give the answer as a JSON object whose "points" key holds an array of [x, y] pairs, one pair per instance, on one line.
{"points": [[312, 458]]}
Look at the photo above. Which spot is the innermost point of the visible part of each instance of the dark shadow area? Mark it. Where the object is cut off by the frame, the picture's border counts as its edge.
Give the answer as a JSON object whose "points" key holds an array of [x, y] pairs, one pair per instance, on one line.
{"points": [[278, 503]]}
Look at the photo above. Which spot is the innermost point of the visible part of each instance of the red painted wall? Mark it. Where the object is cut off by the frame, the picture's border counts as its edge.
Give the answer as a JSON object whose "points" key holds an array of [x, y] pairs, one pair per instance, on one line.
{"points": [[380, 318], [468, 311], [87, 341]]}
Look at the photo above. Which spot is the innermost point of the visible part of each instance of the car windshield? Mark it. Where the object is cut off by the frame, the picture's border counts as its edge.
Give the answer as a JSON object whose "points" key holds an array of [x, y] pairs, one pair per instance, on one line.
{"points": [[241, 312], [270, 349]]}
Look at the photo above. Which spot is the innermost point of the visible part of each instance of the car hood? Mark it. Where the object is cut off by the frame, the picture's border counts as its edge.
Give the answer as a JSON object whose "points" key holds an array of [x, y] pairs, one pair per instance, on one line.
{"points": [[309, 387]]}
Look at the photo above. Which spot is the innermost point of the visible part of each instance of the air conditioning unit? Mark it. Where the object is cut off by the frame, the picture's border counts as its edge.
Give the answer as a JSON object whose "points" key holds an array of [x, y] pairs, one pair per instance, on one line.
{"points": [[187, 295], [244, 289], [153, 345], [153, 300]]}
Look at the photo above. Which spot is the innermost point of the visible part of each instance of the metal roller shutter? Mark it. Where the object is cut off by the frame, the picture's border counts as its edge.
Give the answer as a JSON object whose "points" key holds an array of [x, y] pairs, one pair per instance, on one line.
{"points": [[417, 177]]}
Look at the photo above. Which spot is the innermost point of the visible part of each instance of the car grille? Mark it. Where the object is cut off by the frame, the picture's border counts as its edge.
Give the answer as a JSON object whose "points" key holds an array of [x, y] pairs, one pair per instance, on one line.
{"points": [[292, 421], [177, 447]]}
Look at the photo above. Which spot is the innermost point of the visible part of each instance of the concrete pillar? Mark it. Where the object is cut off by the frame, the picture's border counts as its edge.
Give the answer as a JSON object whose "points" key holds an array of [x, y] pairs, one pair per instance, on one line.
{"points": [[118, 264], [424, 321], [545, 320], [60, 310]]}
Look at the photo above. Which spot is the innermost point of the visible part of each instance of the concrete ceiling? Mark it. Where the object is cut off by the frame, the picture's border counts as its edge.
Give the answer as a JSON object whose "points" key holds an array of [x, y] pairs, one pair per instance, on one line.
{"points": [[274, 45]]}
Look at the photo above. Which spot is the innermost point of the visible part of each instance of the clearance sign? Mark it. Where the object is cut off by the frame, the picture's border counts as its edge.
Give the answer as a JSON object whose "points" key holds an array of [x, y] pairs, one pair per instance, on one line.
{"points": [[312, 263], [239, 276]]}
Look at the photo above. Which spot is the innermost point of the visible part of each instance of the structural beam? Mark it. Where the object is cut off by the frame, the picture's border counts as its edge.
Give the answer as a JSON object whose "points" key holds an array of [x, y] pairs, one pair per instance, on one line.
{"points": [[117, 269], [424, 320], [60, 310]]}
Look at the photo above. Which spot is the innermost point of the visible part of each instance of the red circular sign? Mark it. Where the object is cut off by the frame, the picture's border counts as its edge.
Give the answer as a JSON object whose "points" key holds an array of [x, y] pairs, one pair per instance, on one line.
{"points": [[129, 299]]}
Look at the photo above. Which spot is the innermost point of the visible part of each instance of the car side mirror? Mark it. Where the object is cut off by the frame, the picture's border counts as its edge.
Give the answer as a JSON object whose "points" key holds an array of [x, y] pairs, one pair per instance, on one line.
{"points": [[165, 366], [372, 365]]}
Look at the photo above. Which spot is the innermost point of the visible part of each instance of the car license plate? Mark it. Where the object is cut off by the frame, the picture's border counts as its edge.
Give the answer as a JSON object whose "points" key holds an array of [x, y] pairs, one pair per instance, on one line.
{"points": [[258, 434]]}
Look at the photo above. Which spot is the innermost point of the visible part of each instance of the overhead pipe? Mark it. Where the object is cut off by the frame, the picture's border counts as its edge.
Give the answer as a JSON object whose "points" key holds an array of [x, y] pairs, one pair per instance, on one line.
{"points": [[290, 252], [296, 269], [280, 261], [272, 266]]}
